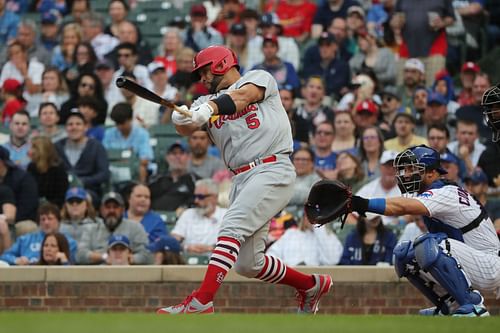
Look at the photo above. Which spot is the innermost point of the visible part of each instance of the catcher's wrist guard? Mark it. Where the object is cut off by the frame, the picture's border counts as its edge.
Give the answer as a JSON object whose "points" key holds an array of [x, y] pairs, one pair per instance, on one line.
{"points": [[359, 204]]}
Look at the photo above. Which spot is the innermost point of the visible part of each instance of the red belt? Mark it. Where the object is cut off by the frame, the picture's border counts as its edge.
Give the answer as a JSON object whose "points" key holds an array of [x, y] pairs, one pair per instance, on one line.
{"points": [[251, 165]]}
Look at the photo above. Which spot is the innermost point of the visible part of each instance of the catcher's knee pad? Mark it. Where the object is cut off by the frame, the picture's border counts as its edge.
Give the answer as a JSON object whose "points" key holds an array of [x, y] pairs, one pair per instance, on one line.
{"points": [[444, 268], [403, 256]]}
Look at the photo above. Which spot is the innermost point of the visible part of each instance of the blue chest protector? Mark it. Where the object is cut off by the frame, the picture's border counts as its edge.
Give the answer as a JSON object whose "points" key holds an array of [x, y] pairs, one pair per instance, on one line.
{"points": [[434, 225]]}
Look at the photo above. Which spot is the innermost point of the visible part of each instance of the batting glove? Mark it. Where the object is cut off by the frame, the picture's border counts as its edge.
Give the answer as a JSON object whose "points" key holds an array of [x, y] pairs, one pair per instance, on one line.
{"points": [[201, 114], [180, 119]]}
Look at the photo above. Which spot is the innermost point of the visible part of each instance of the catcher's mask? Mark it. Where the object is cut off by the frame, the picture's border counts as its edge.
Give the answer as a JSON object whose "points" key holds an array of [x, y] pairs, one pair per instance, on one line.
{"points": [[411, 165], [491, 110]]}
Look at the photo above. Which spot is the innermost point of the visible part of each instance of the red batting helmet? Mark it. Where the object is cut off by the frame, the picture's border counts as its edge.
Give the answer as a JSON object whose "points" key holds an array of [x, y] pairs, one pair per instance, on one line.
{"points": [[220, 58]]}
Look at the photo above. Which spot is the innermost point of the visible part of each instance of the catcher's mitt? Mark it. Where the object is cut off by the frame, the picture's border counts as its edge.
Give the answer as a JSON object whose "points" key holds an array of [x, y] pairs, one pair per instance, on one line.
{"points": [[327, 201]]}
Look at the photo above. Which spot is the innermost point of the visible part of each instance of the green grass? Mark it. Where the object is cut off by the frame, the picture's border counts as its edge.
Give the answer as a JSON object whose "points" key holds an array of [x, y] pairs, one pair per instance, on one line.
{"points": [[251, 323]]}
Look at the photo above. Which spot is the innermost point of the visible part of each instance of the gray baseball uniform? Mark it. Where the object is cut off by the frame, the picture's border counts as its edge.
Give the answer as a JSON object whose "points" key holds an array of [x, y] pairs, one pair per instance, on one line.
{"points": [[259, 131]]}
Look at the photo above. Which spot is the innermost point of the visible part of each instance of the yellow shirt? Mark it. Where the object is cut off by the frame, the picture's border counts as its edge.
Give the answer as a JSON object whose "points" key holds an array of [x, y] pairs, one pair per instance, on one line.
{"points": [[393, 144]]}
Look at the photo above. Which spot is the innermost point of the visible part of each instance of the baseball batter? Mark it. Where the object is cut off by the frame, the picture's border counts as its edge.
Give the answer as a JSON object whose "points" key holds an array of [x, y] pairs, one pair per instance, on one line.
{"points": [[460, 254], [246, 120]]}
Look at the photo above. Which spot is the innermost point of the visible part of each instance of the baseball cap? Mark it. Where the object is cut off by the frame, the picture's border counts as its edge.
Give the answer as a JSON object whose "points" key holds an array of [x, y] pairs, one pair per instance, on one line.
{"points": [[76, 193], [154, 66], [166, 243], [356, 10], [388, 156], [326, 37], [238, 29], [391, 91], [198, 10], [270, 38], [370, 216], [104, 64], [113, 196], [414, 63], [477, 177], [11, 85], [249, 13], [49, 18], [435, 97], [269, 19], [5, 157], [118, 240], [367, 105], [448, 158], [407, 115], [74, 112], [177, 144], [470, 66]]}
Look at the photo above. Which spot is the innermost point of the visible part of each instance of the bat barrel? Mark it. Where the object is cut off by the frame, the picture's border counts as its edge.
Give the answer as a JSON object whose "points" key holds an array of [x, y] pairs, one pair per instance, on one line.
{"points": [[120, 82]]}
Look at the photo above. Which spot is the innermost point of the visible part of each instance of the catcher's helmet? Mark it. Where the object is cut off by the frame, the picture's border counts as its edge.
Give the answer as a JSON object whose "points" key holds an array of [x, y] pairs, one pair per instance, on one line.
{"points": [[412, 163], [220, 58], [491, 109]]}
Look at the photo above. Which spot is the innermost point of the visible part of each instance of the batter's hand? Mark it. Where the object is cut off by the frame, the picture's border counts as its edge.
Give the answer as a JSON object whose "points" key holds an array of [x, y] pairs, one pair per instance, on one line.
{"points": [[201, 114], [180, 119]]}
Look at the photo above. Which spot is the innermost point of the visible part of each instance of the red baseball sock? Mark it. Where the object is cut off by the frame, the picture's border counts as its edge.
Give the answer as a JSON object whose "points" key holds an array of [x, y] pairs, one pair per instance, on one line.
{"points": [[222, 260], [275, 271]]}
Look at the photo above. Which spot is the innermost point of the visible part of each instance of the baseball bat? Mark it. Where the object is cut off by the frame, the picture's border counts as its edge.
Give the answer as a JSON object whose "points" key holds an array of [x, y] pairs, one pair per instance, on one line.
{"points": [[122, 82]]}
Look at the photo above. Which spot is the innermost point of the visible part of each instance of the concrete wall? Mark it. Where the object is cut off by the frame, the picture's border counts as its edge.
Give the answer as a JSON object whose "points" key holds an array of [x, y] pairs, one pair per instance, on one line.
{"points": [[356, 290]]}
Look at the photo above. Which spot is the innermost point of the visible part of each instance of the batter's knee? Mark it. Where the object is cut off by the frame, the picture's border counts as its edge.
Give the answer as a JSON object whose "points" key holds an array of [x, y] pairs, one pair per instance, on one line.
{"points": [[249, 268]]}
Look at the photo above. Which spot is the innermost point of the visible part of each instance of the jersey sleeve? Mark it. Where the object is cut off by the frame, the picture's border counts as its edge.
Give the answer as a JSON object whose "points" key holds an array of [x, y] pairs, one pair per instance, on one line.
{"points": [[438, 201], [262, 79]]}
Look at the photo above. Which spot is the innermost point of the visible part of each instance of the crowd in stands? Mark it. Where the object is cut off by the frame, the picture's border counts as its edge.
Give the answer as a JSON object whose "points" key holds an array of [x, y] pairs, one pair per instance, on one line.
{"points": [[93, 174]]}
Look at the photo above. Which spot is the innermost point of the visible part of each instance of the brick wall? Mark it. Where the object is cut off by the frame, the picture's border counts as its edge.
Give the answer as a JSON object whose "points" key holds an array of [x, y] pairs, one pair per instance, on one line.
{"points": [[88, 291]]}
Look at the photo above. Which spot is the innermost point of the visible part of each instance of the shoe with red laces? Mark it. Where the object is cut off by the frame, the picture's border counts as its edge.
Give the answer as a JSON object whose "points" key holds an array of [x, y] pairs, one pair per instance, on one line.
{"points": [[191, 305], [309, 299]]}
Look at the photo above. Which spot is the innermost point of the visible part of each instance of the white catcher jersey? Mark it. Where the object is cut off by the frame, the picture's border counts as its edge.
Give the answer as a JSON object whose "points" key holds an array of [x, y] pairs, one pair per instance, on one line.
{"points": [[455, 207], [261, 130]]}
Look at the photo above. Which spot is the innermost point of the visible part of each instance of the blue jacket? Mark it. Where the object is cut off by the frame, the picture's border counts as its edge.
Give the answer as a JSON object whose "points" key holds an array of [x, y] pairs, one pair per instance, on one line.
{"points": [[153, 225], [29, 246], [382, 249], [336, 76]]}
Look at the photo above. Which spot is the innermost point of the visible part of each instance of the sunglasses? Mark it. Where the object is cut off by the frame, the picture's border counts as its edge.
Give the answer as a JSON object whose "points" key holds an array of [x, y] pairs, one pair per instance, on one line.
{"points": [[87, 85], [202, 196]]}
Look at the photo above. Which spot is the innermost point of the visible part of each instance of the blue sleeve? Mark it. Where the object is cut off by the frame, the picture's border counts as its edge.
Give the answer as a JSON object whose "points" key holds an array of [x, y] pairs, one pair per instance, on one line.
{"points": [[390, 243], [73, 248], [12, 33], [159, 228], [101, 167], [292, 77], [346, 254], [145, 151], [10, 255], [107, 139]]}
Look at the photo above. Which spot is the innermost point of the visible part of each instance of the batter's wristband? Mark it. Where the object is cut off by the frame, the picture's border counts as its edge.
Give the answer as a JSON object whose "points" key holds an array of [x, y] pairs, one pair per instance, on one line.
{"points": [[225, 104], [376, 206]]}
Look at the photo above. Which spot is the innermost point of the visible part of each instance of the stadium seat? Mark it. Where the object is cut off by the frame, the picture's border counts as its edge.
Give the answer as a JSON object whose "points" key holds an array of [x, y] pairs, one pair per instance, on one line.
{"points": [[196, 259], [123, 165], [169, 217]]}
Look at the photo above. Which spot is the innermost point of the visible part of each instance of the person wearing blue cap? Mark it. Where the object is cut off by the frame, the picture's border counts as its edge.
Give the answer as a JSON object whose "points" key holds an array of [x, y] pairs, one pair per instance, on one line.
{"points": [[119, 251], [77, 212], [476, 183], [49, 31], [167, 251], [450, 163], [435, 112]]}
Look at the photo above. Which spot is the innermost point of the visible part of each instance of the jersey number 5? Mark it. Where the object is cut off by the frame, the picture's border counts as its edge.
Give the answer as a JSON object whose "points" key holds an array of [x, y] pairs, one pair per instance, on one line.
{"points": [[252, 121]]}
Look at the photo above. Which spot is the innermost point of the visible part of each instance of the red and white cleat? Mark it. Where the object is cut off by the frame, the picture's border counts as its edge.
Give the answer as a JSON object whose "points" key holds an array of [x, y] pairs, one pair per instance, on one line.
{"points": [[190, 305], [309, 299]]}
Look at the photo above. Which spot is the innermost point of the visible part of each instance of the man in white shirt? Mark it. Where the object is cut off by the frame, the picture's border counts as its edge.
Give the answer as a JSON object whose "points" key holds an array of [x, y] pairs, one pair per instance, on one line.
{"points": [[467, 145], [127, 60], [197, 227], [92, 28]]}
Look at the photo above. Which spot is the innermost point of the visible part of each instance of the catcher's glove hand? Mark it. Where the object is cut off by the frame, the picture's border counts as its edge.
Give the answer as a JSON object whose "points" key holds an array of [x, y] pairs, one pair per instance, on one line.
{"points": [[327, 201]]}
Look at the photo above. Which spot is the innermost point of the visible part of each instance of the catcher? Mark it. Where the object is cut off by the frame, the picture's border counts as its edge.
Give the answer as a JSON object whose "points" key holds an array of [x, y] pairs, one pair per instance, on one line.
{"points": [[459, 255]]}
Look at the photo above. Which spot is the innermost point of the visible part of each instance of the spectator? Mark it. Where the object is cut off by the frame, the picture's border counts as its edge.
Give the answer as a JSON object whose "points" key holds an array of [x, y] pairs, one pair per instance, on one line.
{"points": [[119, 252], [104, 70], [8, 23], [438, 137], [27, 249], [345, 133], [182, 78], [7, 216], [201, 163], [444, 85], [366, 115], [467, 76], [450, 164], [380, 60], [413, 78], [174, 189], [54, 90], [326, 249], [128, 32], [371, 146], [418, 102], [85, 159], [404, 126], [467, 145], [19, 143], [327, 11], [89, 107], [168, 252], [325, 158], [27, 71], [48, 116], [78, 9], [370, 244], [296, 17], [312, 111], [87, 85], [145, 113], [54, 250], [161, 87], [94, 242], [423, 29], [77, 212], [435, 113], [13, 101], [385, 185], [199, 34], [126, 135], [283, 71], [477, 184], [413, 228], [49, 32], [303, 160], [334, 71], [361, 88], [349, 170], [62, 55], [139, 211], [93, 32], [27, 37], [48, 171], [83, 62], [228, 15], [166, 54], [127, 54], [390, 107], [238, 42], [346, 46], [117, 11], [197, 227]]}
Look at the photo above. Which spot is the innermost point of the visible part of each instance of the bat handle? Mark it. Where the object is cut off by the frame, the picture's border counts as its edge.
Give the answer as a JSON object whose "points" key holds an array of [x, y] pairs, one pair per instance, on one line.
{"points": [[182, 111]]}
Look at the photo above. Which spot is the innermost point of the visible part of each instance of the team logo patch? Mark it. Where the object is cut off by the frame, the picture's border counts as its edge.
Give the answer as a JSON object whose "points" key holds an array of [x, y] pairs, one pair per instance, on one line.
{"points": [[426, 194]]}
